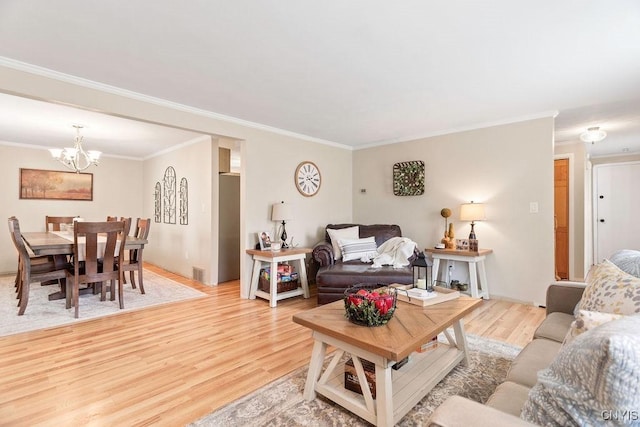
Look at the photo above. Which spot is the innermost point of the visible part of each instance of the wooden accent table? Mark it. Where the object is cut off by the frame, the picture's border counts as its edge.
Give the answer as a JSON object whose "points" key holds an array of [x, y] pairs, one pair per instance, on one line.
{"points": [[473, 259], [273, 258], [397, 391]]}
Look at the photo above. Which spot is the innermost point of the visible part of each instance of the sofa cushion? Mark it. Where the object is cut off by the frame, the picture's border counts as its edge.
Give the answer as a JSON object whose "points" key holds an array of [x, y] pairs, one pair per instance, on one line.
{"points": [[627, 260], [595, 377], [344, 274], [611, 290], [554, 326], [344, 233], [361, 249], [537, 355], [509, 397]]}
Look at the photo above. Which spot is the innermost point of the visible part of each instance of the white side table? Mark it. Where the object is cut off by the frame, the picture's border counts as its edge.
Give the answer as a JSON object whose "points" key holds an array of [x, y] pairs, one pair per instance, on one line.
{"points": [[273, 258], [476, 265]]}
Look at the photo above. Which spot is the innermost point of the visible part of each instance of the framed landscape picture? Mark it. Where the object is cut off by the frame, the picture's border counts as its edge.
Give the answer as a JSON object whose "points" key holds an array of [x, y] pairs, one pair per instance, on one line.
{"points": [[55, 185]]}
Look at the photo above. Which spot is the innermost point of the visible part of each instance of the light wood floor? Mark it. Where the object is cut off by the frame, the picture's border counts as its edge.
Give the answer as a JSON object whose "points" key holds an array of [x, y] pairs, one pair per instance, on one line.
{"points": [[173, 364]]}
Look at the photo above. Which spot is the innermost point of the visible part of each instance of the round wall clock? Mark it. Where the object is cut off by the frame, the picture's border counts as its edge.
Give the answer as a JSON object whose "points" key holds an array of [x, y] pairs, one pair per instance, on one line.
{"points": [[308, 179]]}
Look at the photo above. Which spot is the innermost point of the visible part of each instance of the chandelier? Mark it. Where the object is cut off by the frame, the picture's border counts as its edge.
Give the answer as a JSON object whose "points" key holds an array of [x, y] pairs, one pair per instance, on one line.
{"points": [[76, 158]]}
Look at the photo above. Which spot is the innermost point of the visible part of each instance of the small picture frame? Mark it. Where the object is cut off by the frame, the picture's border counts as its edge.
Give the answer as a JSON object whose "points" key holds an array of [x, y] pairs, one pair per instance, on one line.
{"points": [[265, 240], [473, 245], [462, 244]]}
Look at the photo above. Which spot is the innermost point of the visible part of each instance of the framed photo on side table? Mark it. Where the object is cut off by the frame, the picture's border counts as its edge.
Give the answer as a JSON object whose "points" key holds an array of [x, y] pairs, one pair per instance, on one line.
{"points": [[265, 240], [462, 244]]}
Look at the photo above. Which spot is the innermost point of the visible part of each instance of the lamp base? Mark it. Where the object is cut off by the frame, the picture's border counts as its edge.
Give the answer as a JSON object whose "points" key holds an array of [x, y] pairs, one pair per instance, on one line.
{"points": [[283, 237], [472, 235]]}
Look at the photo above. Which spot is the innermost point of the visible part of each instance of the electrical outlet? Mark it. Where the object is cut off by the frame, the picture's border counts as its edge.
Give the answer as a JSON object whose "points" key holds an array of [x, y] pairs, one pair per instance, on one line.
{"points": [[451, 266]]}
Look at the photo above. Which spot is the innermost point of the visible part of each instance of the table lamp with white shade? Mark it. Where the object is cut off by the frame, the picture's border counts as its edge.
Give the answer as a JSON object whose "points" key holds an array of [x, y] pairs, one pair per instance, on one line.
{"points": [[472, 212], [282, 212]]}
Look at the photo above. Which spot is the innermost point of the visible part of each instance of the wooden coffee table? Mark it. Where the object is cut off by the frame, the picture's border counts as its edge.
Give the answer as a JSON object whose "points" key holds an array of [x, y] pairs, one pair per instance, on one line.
{"points": [[397, 391]]}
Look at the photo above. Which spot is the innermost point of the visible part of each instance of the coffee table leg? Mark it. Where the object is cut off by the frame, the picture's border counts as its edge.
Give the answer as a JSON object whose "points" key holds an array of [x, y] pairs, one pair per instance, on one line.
{"points": [[384, 396], [461, 341], [315, 369]]}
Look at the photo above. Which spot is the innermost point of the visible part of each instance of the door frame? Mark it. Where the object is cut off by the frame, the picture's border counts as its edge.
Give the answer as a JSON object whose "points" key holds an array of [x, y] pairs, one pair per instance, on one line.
{"points": [[571, 223]]}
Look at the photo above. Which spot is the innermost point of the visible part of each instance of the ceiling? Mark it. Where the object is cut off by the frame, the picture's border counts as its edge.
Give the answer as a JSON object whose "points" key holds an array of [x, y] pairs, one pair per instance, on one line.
{"points": [[357, 73]]}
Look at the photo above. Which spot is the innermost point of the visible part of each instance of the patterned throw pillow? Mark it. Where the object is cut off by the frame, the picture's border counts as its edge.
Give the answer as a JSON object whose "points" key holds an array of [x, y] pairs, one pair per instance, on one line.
{"points": [[362, 249], [343, 233], [591, 380], [586, 320], [627, 260], [611, 290]]}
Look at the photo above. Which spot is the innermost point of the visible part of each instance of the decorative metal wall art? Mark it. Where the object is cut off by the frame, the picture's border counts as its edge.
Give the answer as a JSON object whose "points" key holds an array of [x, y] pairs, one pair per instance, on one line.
{"points": [[169, 196], [408, 178], [184, 201], [157, 198]]}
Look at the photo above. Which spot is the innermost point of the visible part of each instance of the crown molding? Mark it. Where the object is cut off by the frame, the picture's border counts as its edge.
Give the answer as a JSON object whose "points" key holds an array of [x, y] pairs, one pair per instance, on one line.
{"points": [[79, 81], [475, 126]]}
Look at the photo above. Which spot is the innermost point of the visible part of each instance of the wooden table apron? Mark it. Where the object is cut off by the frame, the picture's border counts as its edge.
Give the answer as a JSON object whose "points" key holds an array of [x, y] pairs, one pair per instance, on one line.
{"points": [[397, 391]]}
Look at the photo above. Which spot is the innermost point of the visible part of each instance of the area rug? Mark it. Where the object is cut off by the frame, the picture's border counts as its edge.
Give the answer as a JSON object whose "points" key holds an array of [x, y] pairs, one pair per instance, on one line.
{"points": [[281, 403], [42, 313]]}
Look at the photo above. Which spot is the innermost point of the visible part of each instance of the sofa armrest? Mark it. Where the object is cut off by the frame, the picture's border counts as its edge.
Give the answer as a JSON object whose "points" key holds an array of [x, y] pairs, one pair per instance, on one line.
{"points": [[563, 296], [323, 253], [460, 412]]}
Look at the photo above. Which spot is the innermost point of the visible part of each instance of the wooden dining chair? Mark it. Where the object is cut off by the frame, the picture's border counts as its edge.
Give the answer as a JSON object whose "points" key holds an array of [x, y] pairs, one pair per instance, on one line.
{"points": [[127, 221], [99, 262], [32, 269], [134, 263], [52, 223]]}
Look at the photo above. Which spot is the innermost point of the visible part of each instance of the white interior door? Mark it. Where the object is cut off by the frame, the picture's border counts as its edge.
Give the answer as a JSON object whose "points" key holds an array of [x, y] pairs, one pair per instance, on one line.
{"points": [[616, 208]]}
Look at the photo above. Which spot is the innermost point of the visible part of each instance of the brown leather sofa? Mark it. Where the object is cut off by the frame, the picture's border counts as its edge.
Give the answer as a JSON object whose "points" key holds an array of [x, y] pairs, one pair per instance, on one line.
{"points": [[334, 277]]}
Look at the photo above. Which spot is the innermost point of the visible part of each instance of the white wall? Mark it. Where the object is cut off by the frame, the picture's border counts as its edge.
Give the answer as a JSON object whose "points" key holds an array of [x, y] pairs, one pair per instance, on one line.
{"points": [[268, 168], [117, 191], [506, 167], [190, 245]]}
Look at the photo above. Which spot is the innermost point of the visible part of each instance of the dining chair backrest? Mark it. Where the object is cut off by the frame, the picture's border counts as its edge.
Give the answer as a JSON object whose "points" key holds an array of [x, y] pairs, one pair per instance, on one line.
{"points": [[141, 232], [142, 228], [16, 237], [52, 223], [99, 265], [127, 222]]}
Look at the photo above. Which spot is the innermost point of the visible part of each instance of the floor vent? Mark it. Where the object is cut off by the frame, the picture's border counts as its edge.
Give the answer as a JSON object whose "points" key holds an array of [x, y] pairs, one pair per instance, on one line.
{"points": [[198, 274]]}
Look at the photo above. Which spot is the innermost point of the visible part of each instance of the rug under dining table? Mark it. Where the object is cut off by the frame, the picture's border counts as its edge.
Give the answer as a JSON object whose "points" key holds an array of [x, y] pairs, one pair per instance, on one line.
{"points": [[42, 313]]}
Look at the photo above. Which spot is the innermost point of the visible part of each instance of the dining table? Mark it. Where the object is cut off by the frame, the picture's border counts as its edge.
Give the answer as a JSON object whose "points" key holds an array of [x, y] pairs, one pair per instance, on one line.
{"points": [[60, 243]]}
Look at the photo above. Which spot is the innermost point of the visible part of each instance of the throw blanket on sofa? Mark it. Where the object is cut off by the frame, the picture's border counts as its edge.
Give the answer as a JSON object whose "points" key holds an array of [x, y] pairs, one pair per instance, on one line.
{"points": [[396, 252]]}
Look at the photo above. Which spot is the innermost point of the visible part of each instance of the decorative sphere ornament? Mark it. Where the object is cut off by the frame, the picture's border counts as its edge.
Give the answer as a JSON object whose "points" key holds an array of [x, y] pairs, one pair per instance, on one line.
{"points": [[445, 212]]}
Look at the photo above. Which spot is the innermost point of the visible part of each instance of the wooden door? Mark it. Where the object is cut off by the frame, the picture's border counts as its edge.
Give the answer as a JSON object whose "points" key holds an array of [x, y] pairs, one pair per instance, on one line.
{"points": [[561, 211]]}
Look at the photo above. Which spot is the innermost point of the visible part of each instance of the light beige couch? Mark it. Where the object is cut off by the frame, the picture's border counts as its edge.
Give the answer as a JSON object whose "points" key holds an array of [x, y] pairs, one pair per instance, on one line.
{"points": [[505, 405]]}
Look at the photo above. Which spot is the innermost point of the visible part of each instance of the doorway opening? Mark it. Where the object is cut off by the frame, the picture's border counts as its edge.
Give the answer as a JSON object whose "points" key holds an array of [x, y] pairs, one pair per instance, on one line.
{"points": [[561, 190]]}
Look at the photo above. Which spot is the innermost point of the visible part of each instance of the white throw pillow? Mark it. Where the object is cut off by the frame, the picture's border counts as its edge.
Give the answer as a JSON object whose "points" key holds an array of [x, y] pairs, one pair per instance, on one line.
{"points": [[344, 233], [362, 249]]}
